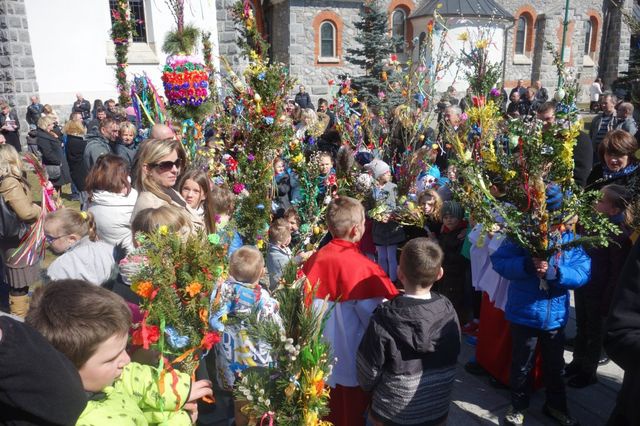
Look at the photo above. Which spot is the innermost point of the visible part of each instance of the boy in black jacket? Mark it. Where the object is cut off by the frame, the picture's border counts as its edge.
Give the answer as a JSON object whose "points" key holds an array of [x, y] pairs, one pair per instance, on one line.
{"points": [[407, 357]]}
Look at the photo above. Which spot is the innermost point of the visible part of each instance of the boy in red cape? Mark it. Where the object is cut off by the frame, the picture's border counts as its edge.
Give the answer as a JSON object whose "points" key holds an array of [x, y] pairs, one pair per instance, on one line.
{"points": [[354, 286]]}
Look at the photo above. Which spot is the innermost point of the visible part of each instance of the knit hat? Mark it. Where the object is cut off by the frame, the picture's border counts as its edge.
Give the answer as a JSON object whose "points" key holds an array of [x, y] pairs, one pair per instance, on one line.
{"points": [[377, 168], [452, 208], [554, 197]]}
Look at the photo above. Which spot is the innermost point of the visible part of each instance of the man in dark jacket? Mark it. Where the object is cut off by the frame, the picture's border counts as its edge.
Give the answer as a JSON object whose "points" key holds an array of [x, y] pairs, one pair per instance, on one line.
{"points": [[82, 106], [101, 144], [622, 341], [34, 111], [582, 151], [303, 99], [603, 123]]}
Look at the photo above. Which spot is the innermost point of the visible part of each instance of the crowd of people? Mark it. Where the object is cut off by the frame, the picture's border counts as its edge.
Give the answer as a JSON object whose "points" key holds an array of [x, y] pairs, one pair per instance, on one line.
{"points": [[401, 296]]}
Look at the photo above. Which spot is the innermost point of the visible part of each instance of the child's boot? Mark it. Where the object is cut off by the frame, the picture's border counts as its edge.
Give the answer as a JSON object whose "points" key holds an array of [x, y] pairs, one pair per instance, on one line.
{"points": [[19, 305]]}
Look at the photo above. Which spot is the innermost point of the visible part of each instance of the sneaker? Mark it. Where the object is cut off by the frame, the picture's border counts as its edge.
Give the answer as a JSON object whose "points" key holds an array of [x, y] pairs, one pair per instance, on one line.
{"points": [[470, 328], [514, 417], [582, 380], [561, 417]]}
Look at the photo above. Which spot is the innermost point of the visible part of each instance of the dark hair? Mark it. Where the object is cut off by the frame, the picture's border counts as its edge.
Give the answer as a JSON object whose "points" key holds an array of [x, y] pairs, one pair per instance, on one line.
{"points": [[100, 109], [618, 142], [200, 177], [110, 173], [322, 101], [547, 106], [76, 317], [279, 231], [420, 262], [104, 124]]}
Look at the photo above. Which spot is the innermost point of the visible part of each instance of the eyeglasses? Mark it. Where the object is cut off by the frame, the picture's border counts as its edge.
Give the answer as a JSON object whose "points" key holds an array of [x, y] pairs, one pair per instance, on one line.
{"points": [[165, 166], [51, 239]]}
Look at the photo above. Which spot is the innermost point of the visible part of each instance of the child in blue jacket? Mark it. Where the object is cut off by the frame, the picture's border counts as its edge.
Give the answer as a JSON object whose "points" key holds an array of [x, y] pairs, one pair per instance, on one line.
{"points": [[538, 309]]}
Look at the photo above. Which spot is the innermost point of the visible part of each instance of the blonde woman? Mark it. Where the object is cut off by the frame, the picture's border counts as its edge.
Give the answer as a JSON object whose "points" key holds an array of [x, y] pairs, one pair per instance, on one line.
{"points": [[53, 157], [159, 166], [17, 196]]}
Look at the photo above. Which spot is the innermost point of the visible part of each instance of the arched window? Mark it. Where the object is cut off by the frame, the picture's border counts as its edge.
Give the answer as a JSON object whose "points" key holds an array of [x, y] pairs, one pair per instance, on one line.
{"points": [[327, 40], [398, 28], [521, 35], [587, 36]]}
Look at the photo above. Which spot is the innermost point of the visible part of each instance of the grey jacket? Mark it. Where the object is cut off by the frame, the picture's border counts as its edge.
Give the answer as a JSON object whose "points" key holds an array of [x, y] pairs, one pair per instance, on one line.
{"points": [[277, 259], [628, 125], [97, 146]]}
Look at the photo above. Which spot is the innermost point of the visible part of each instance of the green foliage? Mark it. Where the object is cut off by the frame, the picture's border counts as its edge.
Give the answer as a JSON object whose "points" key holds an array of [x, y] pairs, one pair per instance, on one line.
{"points": [[181, 42], [123, 28]]}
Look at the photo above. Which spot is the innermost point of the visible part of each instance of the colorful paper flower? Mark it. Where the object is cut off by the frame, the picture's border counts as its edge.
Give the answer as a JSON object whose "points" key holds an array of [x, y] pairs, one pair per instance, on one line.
{"points": [[210, 339], [193, 288], [145, 335], [143, 289]]}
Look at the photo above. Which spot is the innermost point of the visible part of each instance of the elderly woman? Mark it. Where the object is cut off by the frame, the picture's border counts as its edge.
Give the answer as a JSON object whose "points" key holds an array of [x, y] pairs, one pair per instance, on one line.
{"points": [[53, 156], [618, 162], [159, 166], [16, 195], [10, 125]]}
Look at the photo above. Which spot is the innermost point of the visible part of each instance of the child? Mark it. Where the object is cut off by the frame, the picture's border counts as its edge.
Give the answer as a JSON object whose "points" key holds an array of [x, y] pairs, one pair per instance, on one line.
{"points": [[455, 265], [325, 164], [125, 147], [72, 235], [90, 325], [354, 286], [196, 191], [285, 186], [538, 316], [431, 205], [222, 204], [279, 254], [387, 234], [236, 299], [593, 299], [293, 219], [407, 357]]}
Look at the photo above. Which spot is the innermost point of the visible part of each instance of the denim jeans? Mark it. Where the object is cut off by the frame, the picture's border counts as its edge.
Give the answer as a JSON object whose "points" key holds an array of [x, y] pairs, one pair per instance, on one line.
{"points": [[524, 342]]}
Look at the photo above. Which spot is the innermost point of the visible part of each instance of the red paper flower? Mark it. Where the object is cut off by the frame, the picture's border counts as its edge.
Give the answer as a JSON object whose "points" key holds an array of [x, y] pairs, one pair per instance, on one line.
{"points": [[145, 335], [210, 339]]}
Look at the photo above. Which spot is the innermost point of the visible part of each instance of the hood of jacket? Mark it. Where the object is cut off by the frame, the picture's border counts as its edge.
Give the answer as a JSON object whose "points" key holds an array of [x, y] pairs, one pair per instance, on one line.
{"points": [[413, 323], [112, 199]]}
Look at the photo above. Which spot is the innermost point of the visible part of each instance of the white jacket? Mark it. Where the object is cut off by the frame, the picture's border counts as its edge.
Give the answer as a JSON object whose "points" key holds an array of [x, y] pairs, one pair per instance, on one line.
{"points": [[112, 213], [86, 260]]}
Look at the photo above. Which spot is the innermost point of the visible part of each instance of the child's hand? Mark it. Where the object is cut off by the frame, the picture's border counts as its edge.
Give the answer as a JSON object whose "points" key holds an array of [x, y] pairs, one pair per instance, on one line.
{"points": [[199, 389], [541, 266], [462, 234], [192, 409]]}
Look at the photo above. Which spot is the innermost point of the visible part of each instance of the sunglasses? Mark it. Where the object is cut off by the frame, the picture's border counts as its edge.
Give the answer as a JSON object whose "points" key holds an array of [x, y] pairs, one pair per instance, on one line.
{"points": [[165, 166]]}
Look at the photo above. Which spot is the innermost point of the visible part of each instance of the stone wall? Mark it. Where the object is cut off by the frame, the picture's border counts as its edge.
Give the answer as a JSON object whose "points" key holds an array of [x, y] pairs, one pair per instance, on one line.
{"points": [[17, 72]]}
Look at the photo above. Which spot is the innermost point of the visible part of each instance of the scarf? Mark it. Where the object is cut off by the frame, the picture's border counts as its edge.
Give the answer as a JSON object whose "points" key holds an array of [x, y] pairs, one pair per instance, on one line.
{"points": [[608, 174]]}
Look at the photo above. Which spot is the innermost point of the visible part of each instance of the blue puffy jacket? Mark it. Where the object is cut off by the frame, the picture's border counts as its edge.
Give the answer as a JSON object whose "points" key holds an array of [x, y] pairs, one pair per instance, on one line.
{"points": [[527, 304]]}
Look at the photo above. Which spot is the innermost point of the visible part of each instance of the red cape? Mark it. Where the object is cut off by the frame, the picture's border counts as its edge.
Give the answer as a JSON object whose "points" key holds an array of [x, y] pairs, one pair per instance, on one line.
{"points": [[343, 273]]}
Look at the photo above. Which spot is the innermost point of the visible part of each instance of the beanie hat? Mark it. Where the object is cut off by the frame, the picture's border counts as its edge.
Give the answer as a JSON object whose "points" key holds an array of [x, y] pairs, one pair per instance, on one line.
{"points": [[554, 197], [363, 158], [378, 168], [452, 208]]}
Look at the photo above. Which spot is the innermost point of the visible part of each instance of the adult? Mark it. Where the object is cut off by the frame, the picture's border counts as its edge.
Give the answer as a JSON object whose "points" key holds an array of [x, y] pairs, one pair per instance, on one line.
{"points": [[76, 116], [110, 106], [17, 195], [93, 126], [452, 122], [595, 90], [158, 131], [624, 118], [303, 99], [96, 104], [323, 106], [10, 125], [111, 200], [618, 163], [513, 110], [527, 104], [75, 132], [53, 157], [582, 153], [603, 123], [47, 111], [520, 88], [102, 143], [542, 95], [125, 145], [622, 340], [34, 110], [82, 106], [158, 168]]}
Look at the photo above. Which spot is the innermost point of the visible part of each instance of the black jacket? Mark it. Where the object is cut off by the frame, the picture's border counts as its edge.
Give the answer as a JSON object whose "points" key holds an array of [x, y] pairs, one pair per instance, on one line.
{"points": [[631, 181], [407, 358], [622, 341], [34, 112], [304, 100], [40, 386], [83, 107], [75, 150], [582, 159], [52, 155]]}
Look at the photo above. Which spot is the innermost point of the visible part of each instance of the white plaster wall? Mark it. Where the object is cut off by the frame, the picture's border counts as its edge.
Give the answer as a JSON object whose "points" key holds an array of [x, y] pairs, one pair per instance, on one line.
{"points": [[73, 52]]}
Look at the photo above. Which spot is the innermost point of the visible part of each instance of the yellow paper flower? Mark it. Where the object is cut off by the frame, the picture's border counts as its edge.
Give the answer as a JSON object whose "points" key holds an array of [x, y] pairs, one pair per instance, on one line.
{"points": [[193, 289], [482, 44], [260, 244], [463, 36], [164, 230]]}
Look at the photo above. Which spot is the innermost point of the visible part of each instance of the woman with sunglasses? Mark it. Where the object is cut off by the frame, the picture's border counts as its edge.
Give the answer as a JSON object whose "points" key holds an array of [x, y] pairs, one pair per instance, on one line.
{"points": [[17, 201], [158, 168]]}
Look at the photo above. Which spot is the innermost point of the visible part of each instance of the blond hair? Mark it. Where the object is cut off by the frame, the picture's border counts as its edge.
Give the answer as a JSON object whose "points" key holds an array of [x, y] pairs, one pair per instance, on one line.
{"points": [[45, 121], [222, 200], [70, 221], [10, 162], [74, 128], [127, 126], [152, 152], [343, 213], [149, 220], [246, 265], [76, 317], [279, 231], [420, 262], [424, 196]]}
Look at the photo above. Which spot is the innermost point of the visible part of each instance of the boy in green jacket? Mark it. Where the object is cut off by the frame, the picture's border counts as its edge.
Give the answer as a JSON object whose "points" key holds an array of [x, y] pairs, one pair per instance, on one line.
{"points": [[90, 325]]}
